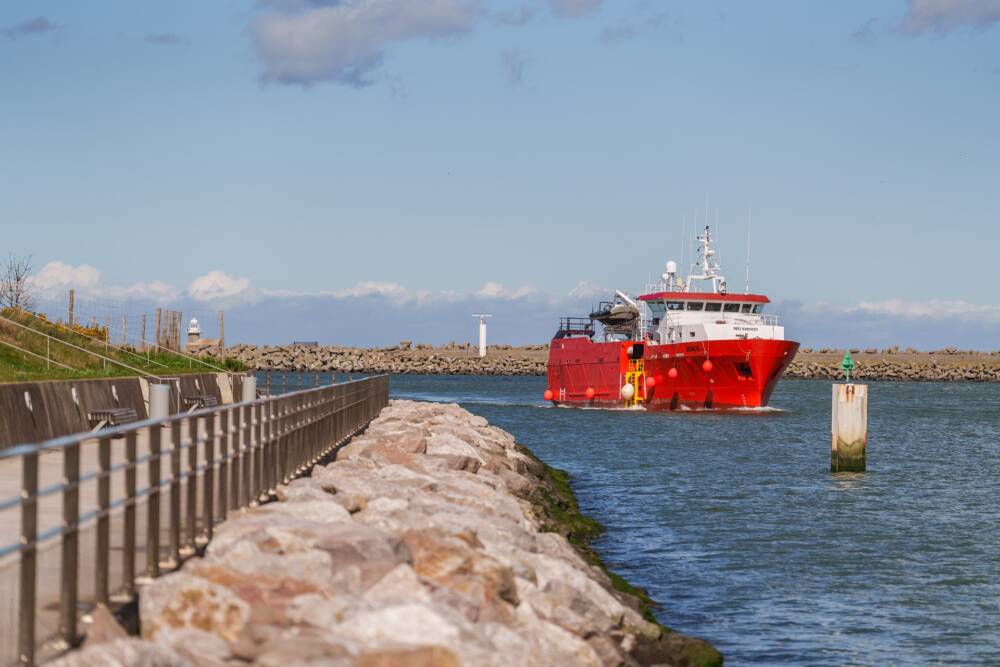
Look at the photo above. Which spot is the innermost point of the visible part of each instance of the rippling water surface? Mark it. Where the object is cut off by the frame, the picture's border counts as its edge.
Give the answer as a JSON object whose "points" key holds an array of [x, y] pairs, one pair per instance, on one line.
{"points": [[736, 526]]}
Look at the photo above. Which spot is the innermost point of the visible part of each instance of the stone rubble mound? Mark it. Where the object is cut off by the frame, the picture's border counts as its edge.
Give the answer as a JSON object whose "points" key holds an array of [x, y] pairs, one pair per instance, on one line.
{"points": [[452, 359], [913, 371], [426, 543]]}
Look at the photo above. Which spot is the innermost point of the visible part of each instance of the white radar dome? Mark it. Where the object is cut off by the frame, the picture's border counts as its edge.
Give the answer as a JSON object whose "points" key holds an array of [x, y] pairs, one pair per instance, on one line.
{"points": [[671, 266]]}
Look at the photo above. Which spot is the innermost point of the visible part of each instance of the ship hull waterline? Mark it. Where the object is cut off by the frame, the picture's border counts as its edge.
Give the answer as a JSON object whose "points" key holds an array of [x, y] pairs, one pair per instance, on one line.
{"points": [[739, 373]]}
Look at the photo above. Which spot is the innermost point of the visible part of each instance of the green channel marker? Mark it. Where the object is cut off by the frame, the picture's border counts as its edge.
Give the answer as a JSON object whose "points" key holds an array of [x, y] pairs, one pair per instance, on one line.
{"points": [[847, 365]]}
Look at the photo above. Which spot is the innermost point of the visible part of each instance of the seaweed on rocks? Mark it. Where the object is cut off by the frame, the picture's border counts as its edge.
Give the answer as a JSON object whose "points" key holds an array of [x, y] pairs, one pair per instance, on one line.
{"points": [[561, 514]]}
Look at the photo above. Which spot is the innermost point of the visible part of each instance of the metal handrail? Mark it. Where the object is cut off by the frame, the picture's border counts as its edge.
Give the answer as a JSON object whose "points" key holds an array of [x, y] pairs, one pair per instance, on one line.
{"points": [[224, 458], [35, 354], [77, 347], [184, 355], [70, 330]]}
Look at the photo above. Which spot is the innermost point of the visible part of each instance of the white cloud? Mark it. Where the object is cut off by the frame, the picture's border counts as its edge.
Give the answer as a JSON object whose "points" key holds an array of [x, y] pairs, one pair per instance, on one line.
{"points": [[946, 15], [55, 278], [154, 291], [495, 290], [58, 275], [308, 41], [588, 290], [574, 8], [934, 309], [367, 289], [216, 285]]}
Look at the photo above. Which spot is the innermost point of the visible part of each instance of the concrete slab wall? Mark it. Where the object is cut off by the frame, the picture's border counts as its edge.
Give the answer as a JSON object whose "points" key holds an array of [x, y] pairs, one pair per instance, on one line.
{"points": [[60, 408]]}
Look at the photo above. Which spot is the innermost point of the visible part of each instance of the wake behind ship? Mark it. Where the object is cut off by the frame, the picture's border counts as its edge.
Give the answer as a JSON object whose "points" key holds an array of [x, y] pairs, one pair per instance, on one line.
{"points": [[672, 347]]}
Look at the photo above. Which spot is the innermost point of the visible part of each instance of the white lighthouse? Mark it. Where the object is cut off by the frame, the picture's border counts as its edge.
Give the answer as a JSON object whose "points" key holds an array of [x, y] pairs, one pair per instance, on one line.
{"points": [[482, 334], [194, 331]]}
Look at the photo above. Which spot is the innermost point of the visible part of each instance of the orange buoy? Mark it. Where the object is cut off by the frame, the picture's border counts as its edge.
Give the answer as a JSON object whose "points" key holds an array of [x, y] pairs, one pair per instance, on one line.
{"points": [[650, 382], [707, 366], [672, 374], [548, 395], [590, 393]]}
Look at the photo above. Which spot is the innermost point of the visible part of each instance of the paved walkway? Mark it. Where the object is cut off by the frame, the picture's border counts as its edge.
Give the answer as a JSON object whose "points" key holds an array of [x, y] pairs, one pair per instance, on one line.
{"points": [[50, 519]]}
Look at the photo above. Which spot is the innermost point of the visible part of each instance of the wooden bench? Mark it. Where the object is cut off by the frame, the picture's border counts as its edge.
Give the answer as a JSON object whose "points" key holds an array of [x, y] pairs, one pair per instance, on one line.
{"points": [[198, 402], [111, 417]]}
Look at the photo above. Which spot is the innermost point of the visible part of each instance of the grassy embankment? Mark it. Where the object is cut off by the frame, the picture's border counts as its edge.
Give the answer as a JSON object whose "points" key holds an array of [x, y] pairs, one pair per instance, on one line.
{"points": [[18, 366]]}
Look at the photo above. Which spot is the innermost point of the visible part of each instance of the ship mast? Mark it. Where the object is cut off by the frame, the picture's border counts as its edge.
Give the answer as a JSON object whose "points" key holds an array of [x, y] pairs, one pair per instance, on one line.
{"points": [[708, 265]]}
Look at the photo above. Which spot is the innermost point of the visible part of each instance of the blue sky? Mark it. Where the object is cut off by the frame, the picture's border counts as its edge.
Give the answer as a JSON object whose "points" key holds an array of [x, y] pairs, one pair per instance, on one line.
{"points": [[430, 159]]}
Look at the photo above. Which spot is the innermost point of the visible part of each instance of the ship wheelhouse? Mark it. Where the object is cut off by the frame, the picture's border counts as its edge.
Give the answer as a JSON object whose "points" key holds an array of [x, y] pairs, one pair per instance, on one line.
{"points": [[676, 317]]}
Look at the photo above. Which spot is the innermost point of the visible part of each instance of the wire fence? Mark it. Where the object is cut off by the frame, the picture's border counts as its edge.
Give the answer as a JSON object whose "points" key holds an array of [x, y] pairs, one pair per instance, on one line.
{"points": [[85, 519], [130, 322]]}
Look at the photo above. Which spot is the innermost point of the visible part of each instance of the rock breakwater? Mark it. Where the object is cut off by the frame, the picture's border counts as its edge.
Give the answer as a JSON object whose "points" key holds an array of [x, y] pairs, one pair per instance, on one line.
{"points": [[926, 367], [454, 359], [947, 365], [433, 539]]}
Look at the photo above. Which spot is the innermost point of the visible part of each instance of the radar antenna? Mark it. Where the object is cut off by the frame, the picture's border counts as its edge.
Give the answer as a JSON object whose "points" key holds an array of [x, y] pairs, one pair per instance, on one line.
{"points": [[708, 265]]}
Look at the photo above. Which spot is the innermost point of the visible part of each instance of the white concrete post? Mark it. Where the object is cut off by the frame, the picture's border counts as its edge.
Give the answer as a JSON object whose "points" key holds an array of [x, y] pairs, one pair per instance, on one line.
{"points": [[249, 388], [849, 428], [482, 334], [159, 401]]}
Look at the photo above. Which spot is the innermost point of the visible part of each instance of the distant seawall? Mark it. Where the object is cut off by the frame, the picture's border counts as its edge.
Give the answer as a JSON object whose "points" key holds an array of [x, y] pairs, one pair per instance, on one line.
{"points": [[453, 359], [947, 365]]}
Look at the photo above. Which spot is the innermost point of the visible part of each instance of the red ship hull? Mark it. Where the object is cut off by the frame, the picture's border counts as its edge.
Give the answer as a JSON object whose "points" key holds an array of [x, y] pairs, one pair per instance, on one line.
{"points": [[739, 373]]}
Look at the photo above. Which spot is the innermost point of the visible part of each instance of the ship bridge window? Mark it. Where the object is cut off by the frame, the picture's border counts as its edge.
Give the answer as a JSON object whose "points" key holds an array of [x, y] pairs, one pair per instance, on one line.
{"points": [[732, 308], [675, 305], [696, 305], [713, 307], [758, 308], [746, 308]]}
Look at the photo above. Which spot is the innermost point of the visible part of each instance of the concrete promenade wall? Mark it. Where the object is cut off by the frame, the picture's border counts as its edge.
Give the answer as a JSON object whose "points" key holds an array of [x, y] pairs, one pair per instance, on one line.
{"points": [[36, 411]]}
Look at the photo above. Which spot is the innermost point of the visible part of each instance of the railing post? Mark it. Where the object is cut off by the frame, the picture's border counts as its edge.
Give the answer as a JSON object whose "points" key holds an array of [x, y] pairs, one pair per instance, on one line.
{"points": [[103, 542], [246, 450], [234, 459], [175, 493], [259, 450], [70, 543], [153, 506], [190, 528], [29, 566], [267, 444], [208, 491], [128, 566], [224, 464]]}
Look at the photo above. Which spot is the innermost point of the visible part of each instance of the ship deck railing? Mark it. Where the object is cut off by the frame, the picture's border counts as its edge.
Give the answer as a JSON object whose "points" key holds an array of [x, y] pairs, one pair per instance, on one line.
{"points": [[575, 326]]}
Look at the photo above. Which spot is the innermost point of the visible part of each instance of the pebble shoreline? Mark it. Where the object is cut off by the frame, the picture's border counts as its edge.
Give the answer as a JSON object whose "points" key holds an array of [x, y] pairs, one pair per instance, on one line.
{"points": [[940, 366], [433, 539]]}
